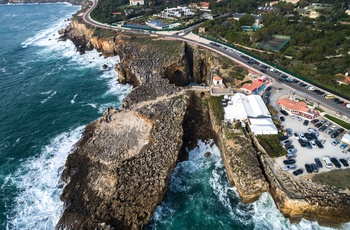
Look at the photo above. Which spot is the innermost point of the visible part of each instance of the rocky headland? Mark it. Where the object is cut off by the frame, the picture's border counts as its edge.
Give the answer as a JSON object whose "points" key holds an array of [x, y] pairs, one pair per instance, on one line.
{"points": [[120, 169]]}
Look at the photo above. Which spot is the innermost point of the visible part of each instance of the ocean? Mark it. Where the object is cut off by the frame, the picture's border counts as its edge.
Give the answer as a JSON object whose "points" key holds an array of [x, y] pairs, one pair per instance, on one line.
{"points": [[48, 93]]}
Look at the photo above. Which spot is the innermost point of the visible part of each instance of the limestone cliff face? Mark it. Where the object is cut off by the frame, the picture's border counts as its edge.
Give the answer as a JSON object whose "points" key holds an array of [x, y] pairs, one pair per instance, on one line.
{"points": [[305, 199], [241, 162], [120, 171]]}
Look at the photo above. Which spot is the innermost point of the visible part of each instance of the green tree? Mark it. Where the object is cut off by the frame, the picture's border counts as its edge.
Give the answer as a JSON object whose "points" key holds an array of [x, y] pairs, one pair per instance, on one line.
{"points": [[247, 20]]}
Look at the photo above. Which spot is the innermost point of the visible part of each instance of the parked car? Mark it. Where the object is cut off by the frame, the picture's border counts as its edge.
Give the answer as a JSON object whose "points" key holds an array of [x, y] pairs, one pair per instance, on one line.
{"points": [[289, 146], [289, 162], [336, 162], [308, 145], [318, 163], [343, 146], [335, 142], [282, 118], [314, 136], [314, 168], [314, 121], [319, 144], [308, 136], [323, 128], [329, 131], [298, 172], [290, 167], [268, 89], [287, 142], [318, 125], [289, 132], [284, 112], [306, 122], [302, 143], [296, 135], [293, 151], [301, 136], [337, 132], [313, 130], [327, 162], [344, 162], [313, 144], [308, 168], [283, 138]]}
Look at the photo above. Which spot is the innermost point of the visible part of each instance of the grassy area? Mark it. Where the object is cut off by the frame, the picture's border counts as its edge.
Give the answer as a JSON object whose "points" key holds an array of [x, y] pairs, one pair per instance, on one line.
{"points": [[319, 109], [103, 33], [338, 178], [342, 123], [216, 108], [272, 145]]}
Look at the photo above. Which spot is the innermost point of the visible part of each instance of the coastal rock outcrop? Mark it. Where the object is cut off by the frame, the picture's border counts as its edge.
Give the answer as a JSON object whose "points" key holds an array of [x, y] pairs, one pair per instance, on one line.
{"points": [[298, 199], [120, 171]]}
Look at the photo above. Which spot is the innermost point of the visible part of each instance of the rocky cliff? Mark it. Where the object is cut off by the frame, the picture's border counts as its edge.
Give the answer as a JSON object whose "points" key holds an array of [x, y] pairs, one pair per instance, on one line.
{"points": [[304, 199], [120, 171]]}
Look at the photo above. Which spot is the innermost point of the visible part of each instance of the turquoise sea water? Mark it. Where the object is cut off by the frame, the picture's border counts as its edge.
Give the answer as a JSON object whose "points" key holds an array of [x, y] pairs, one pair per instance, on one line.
{"points": [[48, 93]]}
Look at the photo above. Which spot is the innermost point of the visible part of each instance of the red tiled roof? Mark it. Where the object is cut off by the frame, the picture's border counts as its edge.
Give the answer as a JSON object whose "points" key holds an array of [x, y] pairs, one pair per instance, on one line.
{"points": [[205, 4], [252, 86], [217, 78], [346, 79], [293, 105]]}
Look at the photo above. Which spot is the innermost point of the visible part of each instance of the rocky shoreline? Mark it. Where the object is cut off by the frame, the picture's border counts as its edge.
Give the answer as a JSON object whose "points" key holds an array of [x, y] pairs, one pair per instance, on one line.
{"points": [[120, 170]]}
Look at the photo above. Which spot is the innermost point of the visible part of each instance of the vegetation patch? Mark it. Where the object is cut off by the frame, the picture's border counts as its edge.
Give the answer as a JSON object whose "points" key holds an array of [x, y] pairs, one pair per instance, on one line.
{"points": [[216, 108], [338, 121], [272, 145], [338, 178]]}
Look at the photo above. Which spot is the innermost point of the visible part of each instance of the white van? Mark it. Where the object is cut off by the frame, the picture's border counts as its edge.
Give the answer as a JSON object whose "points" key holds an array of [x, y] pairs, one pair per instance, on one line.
{"points": [[328, 162]]}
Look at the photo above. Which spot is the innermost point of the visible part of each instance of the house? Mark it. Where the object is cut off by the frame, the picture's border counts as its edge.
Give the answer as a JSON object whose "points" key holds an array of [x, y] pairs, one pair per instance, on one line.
{"points": [[314, 14], [251, 109], [137, 2], [176, 12], [346, 138], [254, 87], [217, 80], [343, 79], [204, 5], [297, 107]]}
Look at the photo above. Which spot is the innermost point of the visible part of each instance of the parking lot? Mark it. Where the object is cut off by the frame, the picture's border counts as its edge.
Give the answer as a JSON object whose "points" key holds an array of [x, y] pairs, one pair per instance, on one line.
{"points": [[307, 156]]}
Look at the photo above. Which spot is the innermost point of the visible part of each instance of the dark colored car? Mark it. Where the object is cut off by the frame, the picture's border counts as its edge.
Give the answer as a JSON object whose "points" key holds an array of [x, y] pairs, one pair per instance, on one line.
{"points": [[344, 162], [283, 138], [318, 163], [287, 142], [340, 102], [308, 136], [314, 121], [289, 146], [281, 79], [308, 145], [319, 144], [306, 122], [318, 125], [284, 112], [268, 88], [335, 162], [314, 167], [302, 143], [323, 128], [290, 162], [298, 172], [308, 168], [313, 135], [335, 99], [336, 133], [282, 118]]}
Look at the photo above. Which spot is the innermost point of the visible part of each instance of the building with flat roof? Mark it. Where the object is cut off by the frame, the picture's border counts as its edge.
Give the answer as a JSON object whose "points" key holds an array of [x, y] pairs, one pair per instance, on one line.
{"points": [[252, 109], [298, 108], [254, 87], [346, 138]]}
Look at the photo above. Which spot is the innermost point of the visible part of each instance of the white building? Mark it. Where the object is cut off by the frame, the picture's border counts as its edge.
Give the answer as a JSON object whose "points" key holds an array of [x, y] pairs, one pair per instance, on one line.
{"points": [[137, 2], [252, 109], [177, 12], [346, 138]]}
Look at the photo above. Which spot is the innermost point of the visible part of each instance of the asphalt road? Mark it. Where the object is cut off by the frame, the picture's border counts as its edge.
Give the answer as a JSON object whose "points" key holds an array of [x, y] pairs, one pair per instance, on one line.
{"points": [[183, 35]]}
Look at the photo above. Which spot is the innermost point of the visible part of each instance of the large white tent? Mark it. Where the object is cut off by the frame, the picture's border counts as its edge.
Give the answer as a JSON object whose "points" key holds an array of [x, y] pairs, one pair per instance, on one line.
{"points": [[346, 138], [253, 109]]}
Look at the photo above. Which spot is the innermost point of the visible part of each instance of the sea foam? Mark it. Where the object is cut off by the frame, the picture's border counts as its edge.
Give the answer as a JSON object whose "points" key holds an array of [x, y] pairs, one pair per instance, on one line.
{"points": [[37, 205]]}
